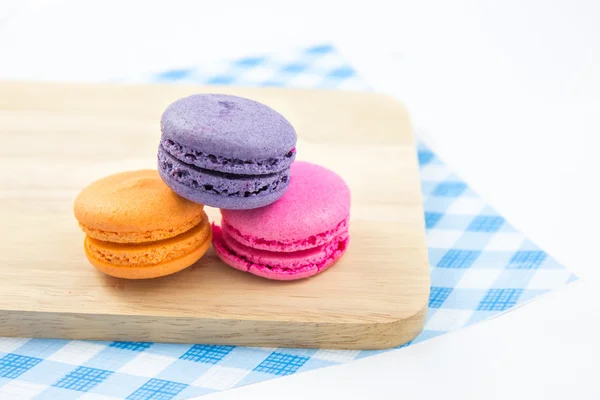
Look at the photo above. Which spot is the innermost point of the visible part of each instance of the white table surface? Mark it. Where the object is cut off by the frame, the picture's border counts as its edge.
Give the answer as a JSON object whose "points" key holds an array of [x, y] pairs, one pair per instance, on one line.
{"points": [[506, 92]]}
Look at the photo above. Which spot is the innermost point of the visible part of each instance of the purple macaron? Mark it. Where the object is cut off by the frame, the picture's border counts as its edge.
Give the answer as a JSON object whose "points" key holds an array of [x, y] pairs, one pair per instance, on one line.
{"points": [[225, 151]]}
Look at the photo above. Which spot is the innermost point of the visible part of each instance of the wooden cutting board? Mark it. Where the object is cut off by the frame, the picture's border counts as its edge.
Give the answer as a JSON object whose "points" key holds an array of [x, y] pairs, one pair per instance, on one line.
{"points": [[57, 138]]}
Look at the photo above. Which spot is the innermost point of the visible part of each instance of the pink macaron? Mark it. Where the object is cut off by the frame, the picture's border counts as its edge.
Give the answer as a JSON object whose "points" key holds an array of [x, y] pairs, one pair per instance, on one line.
{"points": [[300, 235]]}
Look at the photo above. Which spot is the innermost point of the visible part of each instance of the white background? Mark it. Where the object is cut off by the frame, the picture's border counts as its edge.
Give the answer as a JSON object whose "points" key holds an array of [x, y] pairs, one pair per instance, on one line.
{"points": [[506, 92]]}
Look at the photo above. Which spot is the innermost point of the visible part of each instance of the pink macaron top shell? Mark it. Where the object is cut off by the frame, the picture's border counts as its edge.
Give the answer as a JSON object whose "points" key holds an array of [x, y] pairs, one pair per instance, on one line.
{"points": [[314, 209]]}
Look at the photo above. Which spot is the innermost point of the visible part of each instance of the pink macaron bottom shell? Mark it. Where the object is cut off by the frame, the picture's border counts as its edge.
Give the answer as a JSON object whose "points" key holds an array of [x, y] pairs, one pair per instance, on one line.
{"points": [[273, 265], [289, 245]]}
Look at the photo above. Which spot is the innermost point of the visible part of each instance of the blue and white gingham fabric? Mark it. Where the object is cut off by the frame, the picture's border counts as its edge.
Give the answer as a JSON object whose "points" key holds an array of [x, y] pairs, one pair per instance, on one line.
{"points": [[480, 266]]}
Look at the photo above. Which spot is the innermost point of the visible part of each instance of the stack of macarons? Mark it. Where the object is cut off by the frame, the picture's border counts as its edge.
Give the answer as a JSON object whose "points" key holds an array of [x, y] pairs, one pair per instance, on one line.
{"points": [[281, 219]]}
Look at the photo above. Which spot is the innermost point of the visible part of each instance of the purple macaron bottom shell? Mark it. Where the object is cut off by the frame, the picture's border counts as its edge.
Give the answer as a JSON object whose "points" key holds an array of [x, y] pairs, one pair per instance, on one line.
{"points": [[219, 200], [275, 265]]}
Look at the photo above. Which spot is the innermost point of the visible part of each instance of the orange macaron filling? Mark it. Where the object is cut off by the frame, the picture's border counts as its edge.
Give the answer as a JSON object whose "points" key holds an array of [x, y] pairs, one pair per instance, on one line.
{"points": [[149, 253], [141, 237]]}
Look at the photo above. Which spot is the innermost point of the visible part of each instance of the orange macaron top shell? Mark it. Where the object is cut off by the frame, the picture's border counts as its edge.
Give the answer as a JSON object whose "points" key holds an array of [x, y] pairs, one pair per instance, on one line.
{"points": [[134, 207]]}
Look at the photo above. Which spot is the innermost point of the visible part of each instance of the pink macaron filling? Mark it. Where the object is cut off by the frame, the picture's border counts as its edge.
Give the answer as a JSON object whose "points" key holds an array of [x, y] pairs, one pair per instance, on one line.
{"points": [[278, 265], [287, 245]]}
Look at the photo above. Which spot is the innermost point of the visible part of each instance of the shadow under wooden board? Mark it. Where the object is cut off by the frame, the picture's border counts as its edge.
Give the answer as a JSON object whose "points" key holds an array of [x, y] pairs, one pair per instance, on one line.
{"points": [[57, 138]]}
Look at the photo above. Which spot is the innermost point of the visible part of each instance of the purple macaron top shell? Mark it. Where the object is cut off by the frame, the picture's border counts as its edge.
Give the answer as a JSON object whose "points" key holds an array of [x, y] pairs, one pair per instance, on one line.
{"points": [[231, 127]]}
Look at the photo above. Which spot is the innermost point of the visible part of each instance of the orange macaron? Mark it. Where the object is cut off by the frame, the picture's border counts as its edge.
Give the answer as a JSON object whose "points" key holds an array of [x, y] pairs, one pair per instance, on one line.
{"points": [[138, 228]]}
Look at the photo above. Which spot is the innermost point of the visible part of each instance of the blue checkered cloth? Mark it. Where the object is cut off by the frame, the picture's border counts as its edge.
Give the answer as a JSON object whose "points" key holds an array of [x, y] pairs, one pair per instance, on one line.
{"points": [[480, 266]]}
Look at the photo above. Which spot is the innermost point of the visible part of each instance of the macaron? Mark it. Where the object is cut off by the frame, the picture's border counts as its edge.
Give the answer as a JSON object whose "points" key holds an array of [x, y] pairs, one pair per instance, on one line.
{"points": [[300, 235], [225, 151], [137, 228]]}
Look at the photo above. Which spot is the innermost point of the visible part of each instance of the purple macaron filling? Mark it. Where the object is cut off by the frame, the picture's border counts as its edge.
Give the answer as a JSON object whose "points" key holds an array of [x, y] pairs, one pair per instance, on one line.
{"points": [[220, 183], [215, 162]]}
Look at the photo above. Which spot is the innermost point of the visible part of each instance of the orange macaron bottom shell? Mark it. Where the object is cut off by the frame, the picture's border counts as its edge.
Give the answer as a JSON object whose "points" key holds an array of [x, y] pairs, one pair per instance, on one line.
{"points": [[151, 259], [149, 272]]}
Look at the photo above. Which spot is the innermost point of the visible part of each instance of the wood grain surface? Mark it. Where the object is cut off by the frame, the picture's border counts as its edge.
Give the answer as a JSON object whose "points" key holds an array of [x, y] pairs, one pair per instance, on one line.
{"points": [[56, 138]]}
